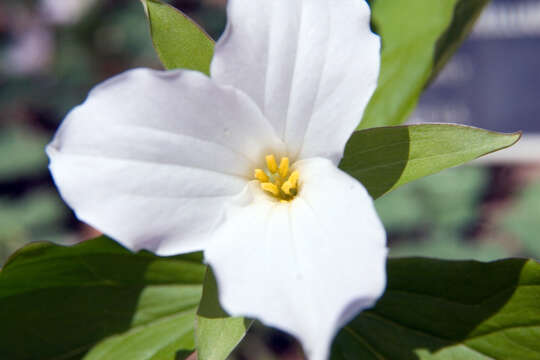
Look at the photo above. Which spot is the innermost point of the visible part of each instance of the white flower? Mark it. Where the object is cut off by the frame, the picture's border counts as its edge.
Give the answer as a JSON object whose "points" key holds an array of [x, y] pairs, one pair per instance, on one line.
{"points": [[175, 162]]}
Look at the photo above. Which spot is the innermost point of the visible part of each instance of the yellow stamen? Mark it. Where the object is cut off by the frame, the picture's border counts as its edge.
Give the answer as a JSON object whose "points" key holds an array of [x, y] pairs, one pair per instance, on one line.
{"points": [[271, 163], [293, 179], [261, 175], [286, 187], [284, 167], [271, 188], [278, 181]]}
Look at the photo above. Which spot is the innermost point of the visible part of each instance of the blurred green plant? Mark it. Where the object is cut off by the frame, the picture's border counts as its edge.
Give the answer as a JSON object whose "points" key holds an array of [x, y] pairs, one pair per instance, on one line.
{"points": [[26, 155], [429, 217], [522, 220], [37, 215]]}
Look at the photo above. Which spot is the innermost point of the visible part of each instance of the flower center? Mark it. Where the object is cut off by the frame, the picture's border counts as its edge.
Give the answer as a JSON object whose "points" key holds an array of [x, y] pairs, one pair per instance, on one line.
{"points": [[276, 180]]}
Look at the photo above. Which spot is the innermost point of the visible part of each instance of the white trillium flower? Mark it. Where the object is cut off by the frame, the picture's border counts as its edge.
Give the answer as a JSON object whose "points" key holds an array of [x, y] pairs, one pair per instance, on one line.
{"points": [[243, 165]]}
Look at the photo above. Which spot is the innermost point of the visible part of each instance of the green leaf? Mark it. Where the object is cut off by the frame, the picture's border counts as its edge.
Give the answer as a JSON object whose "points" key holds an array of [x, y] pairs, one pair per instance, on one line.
{"points": [[418, 37], [217, 334], [387, 157], [179, 41], [434, 309], [58, 302]]}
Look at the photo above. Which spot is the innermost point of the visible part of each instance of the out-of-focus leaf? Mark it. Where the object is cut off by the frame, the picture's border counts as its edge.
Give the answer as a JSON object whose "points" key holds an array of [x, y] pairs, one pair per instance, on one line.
{"points": [[451, 248], [58, 302], [402, 210], [447, 200], [466, 12], [450, 198], [36, 215], [435, 309], [384, 158], [418, 37], [522, 219], [23, 151], [37, 208], [217, 334], [428, 217], [179, 42]]}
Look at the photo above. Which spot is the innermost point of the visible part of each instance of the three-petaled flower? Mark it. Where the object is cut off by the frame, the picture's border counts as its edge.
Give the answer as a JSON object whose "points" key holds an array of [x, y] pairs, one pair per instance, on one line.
{"points": [[243, 165]]}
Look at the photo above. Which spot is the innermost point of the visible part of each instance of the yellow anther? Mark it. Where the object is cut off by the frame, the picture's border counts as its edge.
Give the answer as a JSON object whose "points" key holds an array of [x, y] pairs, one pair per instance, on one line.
{"points": [[284, 167], [286, 187], [261, 175], [276, 181], [271, 163], [271, 188], [293, 179]]}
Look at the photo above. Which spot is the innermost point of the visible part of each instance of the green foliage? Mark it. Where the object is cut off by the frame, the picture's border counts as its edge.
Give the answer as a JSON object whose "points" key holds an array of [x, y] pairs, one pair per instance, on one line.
{"points": [[523, 217], [447, 199], [179, 42], [36, 215], [429, 217], [36, 210], [444, 246], [418, 37], [384, 158], [26, 155], [435, 309], [217, 334], [58, 302]]}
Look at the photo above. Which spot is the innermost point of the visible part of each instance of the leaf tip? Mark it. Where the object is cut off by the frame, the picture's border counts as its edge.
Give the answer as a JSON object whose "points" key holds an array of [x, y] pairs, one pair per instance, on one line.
{"points": [[513, 138], [518, 135]]}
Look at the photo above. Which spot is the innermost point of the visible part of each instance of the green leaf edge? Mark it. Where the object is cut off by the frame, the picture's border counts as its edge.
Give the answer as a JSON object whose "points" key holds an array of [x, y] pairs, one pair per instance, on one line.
{"points": [[439, 59], [516, 135], [164, 61], [219, 313], [443, 55], [27, 251], [528, 268]]}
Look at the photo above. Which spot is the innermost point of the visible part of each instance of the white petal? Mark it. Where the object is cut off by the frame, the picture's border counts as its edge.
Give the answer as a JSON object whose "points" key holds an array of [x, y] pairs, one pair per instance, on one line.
{"points": [[310, 65], [306, 267], [151, 157]]}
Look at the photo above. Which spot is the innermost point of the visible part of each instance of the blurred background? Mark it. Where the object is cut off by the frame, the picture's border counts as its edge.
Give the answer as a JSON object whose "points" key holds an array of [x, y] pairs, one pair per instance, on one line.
{"points": [[53, 51]]}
